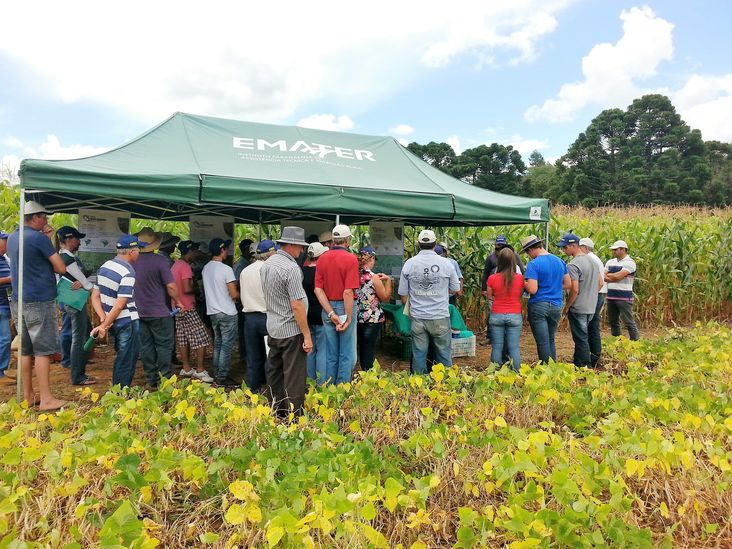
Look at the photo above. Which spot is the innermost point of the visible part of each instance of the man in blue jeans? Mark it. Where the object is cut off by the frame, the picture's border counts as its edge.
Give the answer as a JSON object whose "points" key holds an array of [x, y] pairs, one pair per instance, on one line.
{"points": [[582, 299], [219, 286], [5, 336], [545, 278], [427, 280], [336, 279], [114, 301], [593, 330]]}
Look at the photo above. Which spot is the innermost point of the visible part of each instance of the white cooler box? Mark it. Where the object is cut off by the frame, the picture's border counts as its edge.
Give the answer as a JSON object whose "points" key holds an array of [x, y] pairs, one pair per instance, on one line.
{"points": [[464, 346]]}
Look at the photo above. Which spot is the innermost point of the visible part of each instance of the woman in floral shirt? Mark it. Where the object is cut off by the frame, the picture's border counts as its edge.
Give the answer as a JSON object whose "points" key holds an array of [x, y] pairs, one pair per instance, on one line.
{"points": [[375, 288]]}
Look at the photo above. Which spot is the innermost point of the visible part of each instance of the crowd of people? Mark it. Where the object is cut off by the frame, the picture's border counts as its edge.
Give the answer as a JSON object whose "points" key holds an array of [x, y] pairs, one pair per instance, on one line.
{"points": [[299, 307]]}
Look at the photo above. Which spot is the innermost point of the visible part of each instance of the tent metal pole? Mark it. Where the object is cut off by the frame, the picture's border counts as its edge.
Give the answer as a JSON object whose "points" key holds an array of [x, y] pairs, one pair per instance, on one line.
{"points": [[546, 242], [21, 275], [338, 219]]}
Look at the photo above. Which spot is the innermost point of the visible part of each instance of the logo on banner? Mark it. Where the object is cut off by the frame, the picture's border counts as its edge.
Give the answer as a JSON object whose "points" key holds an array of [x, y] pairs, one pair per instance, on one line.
{"points": [[535, 213], [319, 150]]}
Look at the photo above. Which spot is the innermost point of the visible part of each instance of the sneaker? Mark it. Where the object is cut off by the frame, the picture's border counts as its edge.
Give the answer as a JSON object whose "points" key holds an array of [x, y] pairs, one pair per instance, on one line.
{"points": [[203, 376], [190, 373]]}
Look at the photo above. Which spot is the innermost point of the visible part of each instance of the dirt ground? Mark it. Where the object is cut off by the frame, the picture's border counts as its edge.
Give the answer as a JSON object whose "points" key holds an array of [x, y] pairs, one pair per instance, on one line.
{"points": [[101, 363]]}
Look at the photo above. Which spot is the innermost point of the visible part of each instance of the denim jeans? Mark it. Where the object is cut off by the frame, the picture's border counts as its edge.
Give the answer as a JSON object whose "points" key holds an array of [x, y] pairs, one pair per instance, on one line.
{"points": [[544, 318], [506, 332], [79, 327], [593, 332], [127, 347], [317, 366], [340, 357], [368, 334], [65, 337], [617, 310], [224, 329], [579, 324], [5, 340], [436, 330], [255, 330], [157, 341]]}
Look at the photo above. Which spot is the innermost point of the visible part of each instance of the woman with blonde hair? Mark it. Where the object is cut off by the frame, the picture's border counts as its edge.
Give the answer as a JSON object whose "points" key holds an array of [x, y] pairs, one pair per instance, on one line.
{"points": [[505, 288], [374, 288]]}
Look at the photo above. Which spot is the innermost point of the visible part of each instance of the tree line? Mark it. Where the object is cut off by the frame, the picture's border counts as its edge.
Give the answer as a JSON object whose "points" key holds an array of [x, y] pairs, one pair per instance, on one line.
{"points": [[645, 154]]}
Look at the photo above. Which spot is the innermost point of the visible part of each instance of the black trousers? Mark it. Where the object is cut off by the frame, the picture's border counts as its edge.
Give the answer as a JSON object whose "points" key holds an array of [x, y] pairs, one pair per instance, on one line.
{"points": [[286, 371]]}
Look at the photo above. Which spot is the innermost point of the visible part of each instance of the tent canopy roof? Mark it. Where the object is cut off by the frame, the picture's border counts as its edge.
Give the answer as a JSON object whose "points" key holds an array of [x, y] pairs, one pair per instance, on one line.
{"points": [[262, 173]]}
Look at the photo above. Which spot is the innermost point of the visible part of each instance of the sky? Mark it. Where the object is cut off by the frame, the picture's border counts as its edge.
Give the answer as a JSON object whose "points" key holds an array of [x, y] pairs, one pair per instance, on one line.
{"points": [[82, 77]]}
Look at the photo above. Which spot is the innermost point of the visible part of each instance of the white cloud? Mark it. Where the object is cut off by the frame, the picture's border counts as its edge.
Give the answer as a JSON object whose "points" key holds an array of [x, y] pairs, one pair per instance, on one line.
{"points": [[50, 149], [454, 142], [224, 59], [611, 70], [526, 146], [327, 122], [401, 129], [705, 102], [403, 142]]}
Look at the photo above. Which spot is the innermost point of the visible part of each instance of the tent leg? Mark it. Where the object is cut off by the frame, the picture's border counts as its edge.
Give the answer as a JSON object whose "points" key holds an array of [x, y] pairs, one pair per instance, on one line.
{"points": [[546, 241], [21, 269], [338, 219]]}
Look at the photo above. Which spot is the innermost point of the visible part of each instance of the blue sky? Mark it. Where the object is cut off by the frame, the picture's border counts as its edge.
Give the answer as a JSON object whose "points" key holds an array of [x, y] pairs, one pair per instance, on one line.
{"points": [[87, 76]]}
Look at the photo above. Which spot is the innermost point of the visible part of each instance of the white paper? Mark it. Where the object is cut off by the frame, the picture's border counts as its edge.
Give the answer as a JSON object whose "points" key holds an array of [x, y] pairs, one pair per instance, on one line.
{"points": [[102, 228], [204, 228]]}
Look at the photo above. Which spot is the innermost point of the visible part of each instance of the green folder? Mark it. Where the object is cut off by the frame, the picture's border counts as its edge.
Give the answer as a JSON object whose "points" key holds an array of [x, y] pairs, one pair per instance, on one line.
{"points": [[75, 299]]}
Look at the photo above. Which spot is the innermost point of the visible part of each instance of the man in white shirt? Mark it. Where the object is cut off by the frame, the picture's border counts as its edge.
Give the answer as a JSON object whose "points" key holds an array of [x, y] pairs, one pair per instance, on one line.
{"points": [[593, 329], [255, 316], [620, 275], [219, 286]]}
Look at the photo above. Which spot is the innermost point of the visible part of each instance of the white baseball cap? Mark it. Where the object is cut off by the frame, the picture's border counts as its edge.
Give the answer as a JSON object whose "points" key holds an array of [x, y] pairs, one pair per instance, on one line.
{"points": [[316, 249], [587, 242], [619, 244], [32, 207], [427, 237], [341, 231]]}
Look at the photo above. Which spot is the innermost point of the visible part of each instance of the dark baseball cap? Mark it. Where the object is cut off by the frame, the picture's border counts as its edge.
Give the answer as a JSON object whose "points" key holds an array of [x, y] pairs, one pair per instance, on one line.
{"points": [[567, 239], [218, 244], [69, 232], [185, 246]]}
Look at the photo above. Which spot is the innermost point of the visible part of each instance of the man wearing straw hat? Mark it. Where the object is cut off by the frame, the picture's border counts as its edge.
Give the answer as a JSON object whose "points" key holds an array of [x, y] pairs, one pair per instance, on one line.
{"points": [[546, 276], [287, 324]]}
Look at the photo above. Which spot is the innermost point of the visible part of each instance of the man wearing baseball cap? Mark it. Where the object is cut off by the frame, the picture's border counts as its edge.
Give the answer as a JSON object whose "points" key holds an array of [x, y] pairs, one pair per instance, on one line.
{"points": [[619, 275], [75, 324], [582, 298], [545, 279], [39, 333], [427, 280], [593, 329], [219, 286], [114, 301], [317, 366], [336, 280], [255, 315], [5, 334], [191, 335]]}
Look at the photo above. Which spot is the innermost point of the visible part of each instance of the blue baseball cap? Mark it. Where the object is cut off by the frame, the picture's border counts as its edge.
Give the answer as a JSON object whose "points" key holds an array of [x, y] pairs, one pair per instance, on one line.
{"points": [[439, 250], [218, 244], [266, 245], [129, 241], [568, 238], [4, 235], [367, 250], [69, 232], [501, 240]]}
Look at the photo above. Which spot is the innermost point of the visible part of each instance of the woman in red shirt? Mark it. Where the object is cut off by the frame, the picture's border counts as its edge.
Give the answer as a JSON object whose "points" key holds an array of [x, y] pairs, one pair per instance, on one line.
{"points": [[505, 288]]}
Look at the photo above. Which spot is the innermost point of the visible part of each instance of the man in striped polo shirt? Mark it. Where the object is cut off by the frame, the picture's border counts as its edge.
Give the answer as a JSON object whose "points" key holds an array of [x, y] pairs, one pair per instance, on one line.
{"points": [[114, 302], [287, 324], [619, 275]]}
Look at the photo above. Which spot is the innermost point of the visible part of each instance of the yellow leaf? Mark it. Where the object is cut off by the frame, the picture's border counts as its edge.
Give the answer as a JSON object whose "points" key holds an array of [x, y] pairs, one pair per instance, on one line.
{"points": [[500, 421], [274, 535], [525, 544], [663, 508], [235, 515], [243, 490]]}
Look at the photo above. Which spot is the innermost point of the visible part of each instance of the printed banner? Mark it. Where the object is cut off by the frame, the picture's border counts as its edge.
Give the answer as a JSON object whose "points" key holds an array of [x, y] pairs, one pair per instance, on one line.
{"points": [[387, 238], [204, 228], [102, 229]]}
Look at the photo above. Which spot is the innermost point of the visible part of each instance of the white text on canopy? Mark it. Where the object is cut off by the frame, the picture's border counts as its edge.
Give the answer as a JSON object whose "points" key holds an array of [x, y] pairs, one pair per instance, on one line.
{"points": [[317, 149]]}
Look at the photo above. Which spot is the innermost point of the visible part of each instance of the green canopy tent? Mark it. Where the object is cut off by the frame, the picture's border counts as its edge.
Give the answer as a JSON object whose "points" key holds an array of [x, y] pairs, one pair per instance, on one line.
{"points": [[262, 173]]}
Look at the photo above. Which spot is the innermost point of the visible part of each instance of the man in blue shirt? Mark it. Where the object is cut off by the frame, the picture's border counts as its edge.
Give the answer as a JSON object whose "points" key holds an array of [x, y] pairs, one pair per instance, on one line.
{"points": [[5, 335], [545, 279], [427, 280], [39, 333]]}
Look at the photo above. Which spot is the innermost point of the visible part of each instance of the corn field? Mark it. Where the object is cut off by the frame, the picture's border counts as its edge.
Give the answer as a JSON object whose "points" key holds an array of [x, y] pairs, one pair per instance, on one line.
{"points": [[684, 254]]}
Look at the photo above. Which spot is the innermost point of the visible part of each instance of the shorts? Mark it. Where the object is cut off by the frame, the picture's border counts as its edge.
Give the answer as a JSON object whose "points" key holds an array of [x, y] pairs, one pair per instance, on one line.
{"points": [[190, 330], [39, 336]]}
